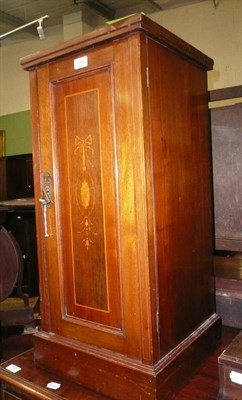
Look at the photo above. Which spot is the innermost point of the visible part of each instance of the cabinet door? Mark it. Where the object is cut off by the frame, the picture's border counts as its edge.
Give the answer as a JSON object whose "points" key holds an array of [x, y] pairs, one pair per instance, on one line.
{"points": [[92, 237], [81, 222], [86, 189]]}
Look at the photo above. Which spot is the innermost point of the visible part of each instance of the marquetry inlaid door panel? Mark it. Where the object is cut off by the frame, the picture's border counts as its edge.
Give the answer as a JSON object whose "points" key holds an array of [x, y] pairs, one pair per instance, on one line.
{"points": [[88, 224]]}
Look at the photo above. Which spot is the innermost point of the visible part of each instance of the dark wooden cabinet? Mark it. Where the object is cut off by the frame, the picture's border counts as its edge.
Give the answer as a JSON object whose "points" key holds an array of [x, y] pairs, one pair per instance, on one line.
{"points": [[16, 176], [2, 178], [227, 170], [2, 186], [19, 176], [17, 212], [122, 165], [21, 222]]}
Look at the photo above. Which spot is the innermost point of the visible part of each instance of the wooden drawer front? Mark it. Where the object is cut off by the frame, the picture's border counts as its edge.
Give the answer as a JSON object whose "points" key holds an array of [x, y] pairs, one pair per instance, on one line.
{"points": [[9, 394]]}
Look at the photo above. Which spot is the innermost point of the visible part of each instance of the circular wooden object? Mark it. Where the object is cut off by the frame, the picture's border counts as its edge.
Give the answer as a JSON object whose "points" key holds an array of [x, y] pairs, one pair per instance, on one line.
{"points": [[9, 263]]}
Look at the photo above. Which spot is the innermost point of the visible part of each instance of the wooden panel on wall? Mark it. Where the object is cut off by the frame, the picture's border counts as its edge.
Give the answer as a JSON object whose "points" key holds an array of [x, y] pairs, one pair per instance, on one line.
{"points": [[227, 167]]}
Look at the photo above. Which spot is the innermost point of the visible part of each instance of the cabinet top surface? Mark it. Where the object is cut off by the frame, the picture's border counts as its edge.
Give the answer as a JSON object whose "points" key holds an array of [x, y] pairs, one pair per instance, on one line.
{"points": [[137, 23], [233, 352]]}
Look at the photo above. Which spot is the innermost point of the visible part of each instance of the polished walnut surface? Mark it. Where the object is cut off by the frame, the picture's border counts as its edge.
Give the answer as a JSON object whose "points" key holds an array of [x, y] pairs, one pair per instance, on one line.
{"points": [[115, 30], [122, 163], [32, 382]]}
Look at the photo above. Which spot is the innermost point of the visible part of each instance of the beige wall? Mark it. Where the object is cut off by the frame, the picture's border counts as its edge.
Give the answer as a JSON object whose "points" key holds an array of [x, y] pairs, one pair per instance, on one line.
{"points": [[215, 31], [14, 81]]}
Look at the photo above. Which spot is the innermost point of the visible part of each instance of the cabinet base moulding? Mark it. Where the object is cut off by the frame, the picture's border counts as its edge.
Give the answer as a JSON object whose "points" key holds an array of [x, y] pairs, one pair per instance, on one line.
{"points": [[117, 376]]}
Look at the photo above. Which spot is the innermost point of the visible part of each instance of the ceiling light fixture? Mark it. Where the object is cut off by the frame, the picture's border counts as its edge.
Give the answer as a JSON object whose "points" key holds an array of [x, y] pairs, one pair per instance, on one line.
{"points": [[39, 27], [40, 30]]}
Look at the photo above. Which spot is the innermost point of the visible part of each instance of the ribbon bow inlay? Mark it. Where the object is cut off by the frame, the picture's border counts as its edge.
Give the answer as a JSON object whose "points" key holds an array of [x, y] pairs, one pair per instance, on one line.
{"points": [[84, 145]]}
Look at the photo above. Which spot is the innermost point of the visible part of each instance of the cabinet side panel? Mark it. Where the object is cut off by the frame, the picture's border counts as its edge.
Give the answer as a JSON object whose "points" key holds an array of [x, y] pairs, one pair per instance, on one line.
{"points": [[182, 190]]}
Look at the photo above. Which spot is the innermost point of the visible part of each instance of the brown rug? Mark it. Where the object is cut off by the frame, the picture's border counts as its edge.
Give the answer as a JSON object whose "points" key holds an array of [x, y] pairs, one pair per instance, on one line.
{"points": [[16, 303]]}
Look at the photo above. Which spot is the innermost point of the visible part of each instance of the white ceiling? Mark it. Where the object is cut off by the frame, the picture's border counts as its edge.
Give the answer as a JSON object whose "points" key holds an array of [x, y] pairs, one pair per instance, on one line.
{"points": [[15, 13]]}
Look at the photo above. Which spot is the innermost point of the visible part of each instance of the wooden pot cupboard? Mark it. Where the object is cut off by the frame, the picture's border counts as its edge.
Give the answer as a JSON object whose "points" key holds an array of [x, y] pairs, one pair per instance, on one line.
{"points": [[122, 166]]}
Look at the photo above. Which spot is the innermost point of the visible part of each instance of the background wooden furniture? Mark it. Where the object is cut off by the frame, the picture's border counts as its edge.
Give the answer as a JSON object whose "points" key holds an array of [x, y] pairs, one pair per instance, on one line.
{"points": [[9, 264], [3, 178], [20, 220], [230, 370], [19, 176], [11, 274], [227, 171], [17, 211], [122, 166], [3, 187], [16, 177]]}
